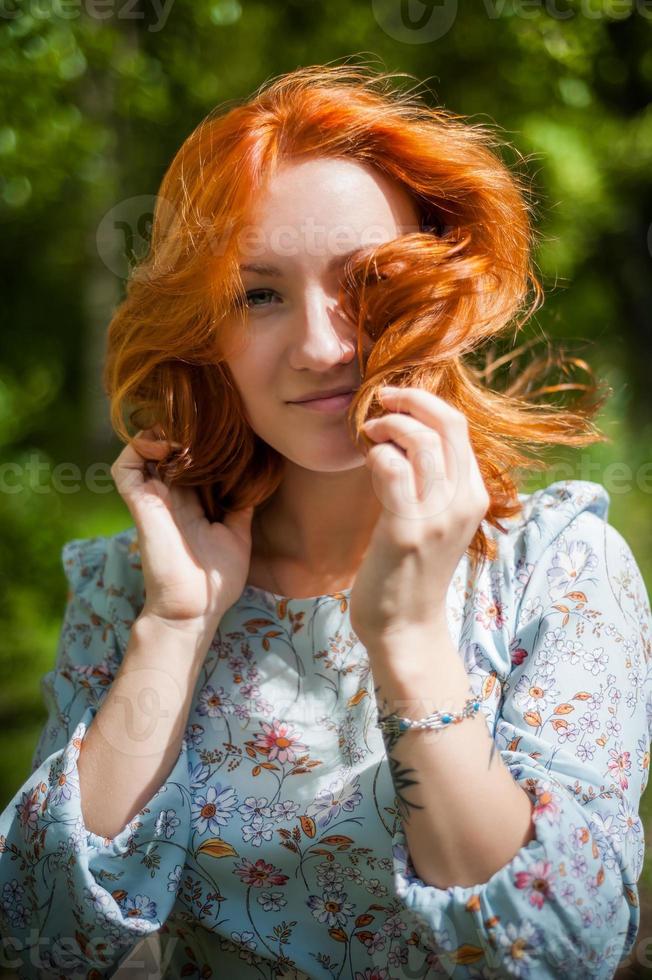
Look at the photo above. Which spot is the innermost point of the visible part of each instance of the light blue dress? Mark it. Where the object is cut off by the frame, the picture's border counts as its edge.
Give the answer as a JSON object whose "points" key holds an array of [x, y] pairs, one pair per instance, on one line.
{"points": [[274, 847]]}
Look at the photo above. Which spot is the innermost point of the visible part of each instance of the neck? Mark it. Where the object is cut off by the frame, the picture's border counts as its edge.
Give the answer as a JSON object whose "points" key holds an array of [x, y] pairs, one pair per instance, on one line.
{"points": [[321, 522]]}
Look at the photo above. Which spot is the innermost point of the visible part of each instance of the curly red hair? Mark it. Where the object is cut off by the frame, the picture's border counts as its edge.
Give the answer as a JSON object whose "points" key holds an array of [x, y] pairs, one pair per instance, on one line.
{"points": [[431, 300]]}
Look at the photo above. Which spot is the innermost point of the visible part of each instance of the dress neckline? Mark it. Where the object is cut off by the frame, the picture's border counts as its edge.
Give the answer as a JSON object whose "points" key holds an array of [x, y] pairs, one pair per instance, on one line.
{"points": [[343, 593]]}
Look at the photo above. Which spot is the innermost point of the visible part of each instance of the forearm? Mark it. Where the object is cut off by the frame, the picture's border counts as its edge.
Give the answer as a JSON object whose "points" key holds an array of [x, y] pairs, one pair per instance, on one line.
{"points": [[464, 814], [135, 737]]}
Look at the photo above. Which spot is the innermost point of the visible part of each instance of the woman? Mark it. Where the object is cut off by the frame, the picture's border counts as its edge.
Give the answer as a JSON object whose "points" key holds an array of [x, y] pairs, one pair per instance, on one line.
{"points": [[319, 712]]}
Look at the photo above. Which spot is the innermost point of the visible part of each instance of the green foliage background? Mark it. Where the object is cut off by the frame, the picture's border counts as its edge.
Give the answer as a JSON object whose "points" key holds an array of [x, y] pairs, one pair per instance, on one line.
{"points": [[95, 101]]}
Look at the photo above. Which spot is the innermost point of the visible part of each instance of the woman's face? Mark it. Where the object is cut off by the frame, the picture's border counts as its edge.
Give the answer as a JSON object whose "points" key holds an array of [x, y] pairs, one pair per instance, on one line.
{"points": [[309, 216]]}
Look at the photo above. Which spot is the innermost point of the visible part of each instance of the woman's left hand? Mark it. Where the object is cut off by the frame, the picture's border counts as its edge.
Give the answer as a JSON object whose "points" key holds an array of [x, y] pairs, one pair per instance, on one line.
{"points": [[433, 498]]}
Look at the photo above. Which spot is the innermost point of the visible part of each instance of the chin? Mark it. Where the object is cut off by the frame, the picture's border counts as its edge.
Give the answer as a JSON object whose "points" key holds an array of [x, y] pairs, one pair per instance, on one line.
{"points": [[326, 459]]}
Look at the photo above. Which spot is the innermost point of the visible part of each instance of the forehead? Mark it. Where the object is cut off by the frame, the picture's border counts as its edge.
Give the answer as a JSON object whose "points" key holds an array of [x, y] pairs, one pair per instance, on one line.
{"points": [[325, 206]]}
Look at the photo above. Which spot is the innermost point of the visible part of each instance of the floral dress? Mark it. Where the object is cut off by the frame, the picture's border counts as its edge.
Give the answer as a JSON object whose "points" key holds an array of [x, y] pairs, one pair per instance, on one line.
{"points": [[274, 847]]}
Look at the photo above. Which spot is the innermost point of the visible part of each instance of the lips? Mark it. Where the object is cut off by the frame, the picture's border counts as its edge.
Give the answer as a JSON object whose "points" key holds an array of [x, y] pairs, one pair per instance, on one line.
{"points": [[334, 403], [322, 395]]}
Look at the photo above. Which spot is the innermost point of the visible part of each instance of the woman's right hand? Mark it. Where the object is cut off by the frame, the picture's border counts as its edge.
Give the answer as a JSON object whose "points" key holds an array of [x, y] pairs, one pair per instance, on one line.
{"points": [[194, 570]]}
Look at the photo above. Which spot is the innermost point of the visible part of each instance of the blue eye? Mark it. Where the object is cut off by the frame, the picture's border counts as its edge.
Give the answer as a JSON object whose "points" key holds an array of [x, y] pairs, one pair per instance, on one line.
{"points": [[256, 292]]}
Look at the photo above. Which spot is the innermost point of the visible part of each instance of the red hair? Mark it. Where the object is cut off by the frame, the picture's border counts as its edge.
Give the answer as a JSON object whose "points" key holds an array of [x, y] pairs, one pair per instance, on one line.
{"points": [[430, 300]]}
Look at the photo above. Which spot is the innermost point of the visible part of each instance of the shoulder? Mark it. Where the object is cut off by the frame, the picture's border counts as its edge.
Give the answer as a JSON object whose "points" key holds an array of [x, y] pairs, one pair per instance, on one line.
{"points": [[549, 512], [549, 515], [105, 574], [560, 538], [562, 554]]}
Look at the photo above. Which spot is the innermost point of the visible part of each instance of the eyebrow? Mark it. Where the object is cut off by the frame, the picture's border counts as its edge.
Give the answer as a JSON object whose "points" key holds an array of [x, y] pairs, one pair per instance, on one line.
{"points": [[262, 269]]}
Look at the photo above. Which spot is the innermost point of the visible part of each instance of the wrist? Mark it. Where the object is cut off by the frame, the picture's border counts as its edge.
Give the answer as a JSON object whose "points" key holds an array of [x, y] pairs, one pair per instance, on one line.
{"points": [[407, 646], [156, 638], [419, 672], [194, 626]]}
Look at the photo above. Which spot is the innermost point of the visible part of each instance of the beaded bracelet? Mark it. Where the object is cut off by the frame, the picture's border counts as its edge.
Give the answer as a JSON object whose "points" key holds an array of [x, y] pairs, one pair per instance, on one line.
{"points": [[395, 726]]}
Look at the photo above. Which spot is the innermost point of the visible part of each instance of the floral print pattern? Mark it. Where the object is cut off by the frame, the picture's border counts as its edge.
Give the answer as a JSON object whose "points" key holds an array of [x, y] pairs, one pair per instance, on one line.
{"points": [[274, 848]]}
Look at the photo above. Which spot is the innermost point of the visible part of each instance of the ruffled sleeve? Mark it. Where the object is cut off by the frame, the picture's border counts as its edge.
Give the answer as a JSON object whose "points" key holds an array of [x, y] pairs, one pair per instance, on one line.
{"points": [[73, 902], [572, 725]]}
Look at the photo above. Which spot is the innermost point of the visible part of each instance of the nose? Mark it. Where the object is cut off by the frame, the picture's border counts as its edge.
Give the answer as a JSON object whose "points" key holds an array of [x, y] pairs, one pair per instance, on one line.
{"points": [[322, 335]]}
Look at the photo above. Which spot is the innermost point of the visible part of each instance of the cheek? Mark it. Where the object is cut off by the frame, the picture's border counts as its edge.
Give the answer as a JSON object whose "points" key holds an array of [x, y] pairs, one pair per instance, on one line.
{"points": [[253, 372], [254, 377]]}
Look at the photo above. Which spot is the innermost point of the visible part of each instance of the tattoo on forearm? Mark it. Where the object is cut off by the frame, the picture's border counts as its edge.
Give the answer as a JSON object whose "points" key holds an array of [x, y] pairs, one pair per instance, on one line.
{"points": [[400, 773], [400, 778]]}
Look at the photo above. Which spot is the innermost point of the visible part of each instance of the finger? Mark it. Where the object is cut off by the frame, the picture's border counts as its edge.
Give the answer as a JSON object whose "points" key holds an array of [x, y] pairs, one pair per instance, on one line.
{"points": [[419, 402], [149, 445], [132, 478], [392, 477], [141, 448], [479, 486], [433, 411], [422, 445]]}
